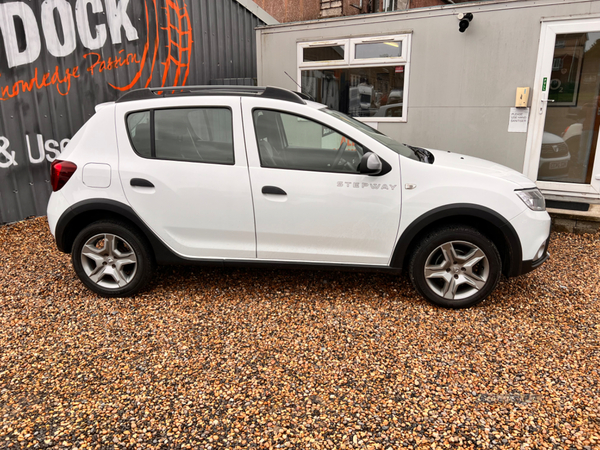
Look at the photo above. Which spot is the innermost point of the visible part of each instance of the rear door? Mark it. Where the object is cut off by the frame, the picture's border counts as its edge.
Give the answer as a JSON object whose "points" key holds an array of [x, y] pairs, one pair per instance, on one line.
{"points": [[184, 172], [311, 204]]}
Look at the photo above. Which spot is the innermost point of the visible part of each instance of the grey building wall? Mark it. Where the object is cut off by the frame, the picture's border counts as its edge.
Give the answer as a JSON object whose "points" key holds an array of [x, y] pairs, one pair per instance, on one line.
{"points": [[461, 85], [107, 53]]}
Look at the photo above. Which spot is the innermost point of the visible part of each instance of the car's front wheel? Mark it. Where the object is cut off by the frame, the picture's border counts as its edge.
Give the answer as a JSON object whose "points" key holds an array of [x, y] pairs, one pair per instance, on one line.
{"points": [[455, 267], [112, 259]]}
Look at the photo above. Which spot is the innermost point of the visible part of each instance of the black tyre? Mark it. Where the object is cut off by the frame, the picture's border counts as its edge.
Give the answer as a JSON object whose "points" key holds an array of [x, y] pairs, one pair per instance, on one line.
{"points": [[112, 259], [455, 267]]}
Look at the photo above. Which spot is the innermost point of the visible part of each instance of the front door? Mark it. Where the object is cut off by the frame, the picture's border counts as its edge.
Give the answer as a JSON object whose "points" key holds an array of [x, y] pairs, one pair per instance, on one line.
{"points": [[565, 110], [310, 202]]}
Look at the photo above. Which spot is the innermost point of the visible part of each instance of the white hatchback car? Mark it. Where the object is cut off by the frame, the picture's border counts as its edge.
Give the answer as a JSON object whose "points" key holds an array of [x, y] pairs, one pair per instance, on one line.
{"points": [[234, 175]]}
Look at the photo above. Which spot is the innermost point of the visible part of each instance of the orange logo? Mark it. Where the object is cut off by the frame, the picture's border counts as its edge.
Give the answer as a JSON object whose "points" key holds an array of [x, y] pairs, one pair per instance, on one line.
{"points": [[179, 44], [176, 32]]}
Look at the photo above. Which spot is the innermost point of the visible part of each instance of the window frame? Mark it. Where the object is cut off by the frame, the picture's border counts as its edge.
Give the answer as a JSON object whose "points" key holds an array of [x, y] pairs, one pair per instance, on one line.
{"points": [[153, 133], [350, 62]]}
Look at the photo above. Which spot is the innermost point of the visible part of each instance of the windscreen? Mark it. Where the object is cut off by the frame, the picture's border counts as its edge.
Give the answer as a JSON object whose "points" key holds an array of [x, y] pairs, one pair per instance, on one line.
{"points": [[397, 147]]}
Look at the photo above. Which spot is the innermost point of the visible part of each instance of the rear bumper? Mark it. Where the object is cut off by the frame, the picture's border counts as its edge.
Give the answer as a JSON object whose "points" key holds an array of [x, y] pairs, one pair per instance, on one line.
{"points": [[57, 205]]}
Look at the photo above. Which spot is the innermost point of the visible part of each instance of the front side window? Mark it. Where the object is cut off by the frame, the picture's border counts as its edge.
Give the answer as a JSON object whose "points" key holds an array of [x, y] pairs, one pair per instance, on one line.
{"points": [[186, 134], [363, 77], [287, 141]]}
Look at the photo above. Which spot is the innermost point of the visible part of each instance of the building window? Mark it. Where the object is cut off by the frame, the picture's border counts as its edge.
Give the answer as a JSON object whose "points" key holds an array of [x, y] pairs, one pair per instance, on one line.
{"points": [[386, 5], [332, 53], [366, 78], [378, 50]]}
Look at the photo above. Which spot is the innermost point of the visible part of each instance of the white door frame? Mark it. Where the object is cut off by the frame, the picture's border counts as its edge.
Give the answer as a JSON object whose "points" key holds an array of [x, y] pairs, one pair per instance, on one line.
{"points": [[539, 105]]}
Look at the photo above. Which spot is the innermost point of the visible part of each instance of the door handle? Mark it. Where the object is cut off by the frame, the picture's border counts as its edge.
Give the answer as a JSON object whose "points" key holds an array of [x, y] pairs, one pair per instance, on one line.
{"points": [[140, 182], [542, 101], [273, 190]]}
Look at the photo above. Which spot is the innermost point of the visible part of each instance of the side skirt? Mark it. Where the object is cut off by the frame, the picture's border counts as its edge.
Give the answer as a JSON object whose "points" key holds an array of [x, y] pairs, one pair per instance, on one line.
{"points": [[286, 265]]}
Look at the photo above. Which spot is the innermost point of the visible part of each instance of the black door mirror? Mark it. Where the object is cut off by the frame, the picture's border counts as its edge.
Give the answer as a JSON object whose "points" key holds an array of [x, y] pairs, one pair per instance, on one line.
{"points": [[370, 164]]}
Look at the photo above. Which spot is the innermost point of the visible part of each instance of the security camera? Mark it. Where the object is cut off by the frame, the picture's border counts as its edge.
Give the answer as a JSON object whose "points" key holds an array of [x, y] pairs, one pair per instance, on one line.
{"points": [[465, 19]]}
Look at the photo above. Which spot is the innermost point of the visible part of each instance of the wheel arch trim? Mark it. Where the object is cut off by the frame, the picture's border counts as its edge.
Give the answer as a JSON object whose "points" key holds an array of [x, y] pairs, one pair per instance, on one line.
{"points": [[512, 267], [72, 218], [69, 220]]}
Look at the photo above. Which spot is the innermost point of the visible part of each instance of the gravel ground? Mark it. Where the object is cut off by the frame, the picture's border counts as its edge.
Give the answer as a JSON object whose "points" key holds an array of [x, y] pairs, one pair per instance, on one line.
{"points": [[227, 358]]}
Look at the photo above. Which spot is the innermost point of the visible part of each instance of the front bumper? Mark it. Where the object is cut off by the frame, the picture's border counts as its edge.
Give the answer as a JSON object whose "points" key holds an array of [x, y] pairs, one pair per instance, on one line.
{"points": [[529, 265], [533, 229]]}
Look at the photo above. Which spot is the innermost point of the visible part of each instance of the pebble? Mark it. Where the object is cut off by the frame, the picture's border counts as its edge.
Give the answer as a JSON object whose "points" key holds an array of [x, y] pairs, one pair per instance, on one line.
{"points": [[258, 359]]}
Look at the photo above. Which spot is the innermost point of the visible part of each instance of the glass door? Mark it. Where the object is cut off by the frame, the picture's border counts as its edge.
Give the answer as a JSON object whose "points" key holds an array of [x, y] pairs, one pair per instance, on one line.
{"points": [[565, 112]]}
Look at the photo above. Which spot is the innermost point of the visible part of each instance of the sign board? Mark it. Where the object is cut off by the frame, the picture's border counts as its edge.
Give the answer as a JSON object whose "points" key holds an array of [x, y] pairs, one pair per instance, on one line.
{"points": [[517, 122]]}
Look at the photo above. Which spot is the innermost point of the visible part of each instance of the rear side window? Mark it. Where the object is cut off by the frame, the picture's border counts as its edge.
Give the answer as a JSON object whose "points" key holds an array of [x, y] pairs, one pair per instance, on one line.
{"points": [[185, 134]]}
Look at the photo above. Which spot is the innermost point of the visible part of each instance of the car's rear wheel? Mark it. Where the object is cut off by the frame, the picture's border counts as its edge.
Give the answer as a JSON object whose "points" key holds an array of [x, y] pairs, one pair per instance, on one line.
{"points": [[455, 267], [112, 259]]}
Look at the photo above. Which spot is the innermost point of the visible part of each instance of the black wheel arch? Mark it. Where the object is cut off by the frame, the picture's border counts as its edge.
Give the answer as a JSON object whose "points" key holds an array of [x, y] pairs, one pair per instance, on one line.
{"points": [[485, 220], [80, 215]]}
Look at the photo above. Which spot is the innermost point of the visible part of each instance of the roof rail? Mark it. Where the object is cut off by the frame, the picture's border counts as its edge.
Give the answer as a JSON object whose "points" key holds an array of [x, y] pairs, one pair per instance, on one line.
{"points": [[305, 96], [174, 91]]}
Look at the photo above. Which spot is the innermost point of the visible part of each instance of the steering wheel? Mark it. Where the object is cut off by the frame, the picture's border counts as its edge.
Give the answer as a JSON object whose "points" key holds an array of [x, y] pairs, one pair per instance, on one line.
{"points": [[339, 153]]}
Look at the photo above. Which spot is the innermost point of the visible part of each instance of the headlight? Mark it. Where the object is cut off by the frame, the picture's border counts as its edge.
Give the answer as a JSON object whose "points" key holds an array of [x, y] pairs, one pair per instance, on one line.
{"points": [[533, 198]]}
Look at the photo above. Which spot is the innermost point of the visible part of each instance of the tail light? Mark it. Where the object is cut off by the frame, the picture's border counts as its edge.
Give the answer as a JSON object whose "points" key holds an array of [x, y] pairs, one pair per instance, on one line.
{"points": [[60, 173]]}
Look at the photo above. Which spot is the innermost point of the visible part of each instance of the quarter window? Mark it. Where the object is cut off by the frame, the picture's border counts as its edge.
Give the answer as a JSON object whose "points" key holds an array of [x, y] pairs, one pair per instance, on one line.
{"points": [[287, 141], [185, 134], [138, 125]]}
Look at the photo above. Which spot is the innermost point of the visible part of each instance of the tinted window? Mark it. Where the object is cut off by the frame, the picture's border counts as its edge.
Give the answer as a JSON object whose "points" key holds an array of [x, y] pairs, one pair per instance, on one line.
{"points": [[186, 134], [287, 141], [138, 125], [199, 135]]}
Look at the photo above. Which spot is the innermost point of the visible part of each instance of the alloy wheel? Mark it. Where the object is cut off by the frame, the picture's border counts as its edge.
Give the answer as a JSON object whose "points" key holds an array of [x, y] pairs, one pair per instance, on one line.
{"points": [[109, 261], [456, 270]]}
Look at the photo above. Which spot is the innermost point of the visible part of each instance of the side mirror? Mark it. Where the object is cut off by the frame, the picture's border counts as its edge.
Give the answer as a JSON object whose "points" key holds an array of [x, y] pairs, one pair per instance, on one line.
{"points": [[370, 164]]}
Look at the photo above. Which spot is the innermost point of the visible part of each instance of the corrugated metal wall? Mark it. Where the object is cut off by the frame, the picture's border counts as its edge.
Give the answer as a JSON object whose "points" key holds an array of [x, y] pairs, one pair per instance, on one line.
{"points": [[60, 58]]}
